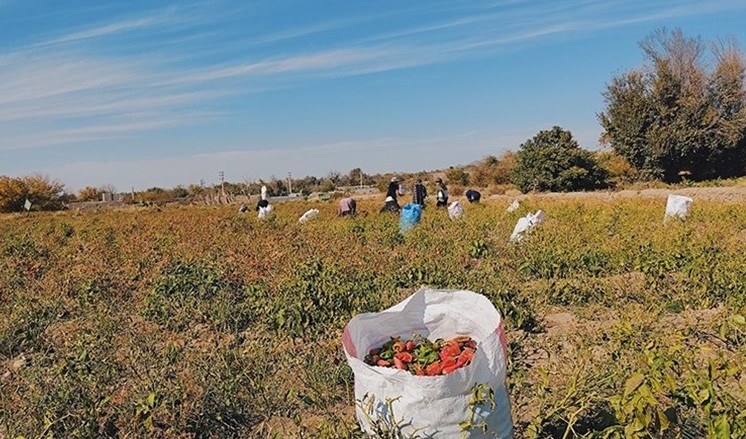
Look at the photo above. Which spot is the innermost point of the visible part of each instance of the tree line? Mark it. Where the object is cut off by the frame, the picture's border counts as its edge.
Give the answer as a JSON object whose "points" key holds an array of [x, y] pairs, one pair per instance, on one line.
{"points": [[681, 115], [673, 118]]}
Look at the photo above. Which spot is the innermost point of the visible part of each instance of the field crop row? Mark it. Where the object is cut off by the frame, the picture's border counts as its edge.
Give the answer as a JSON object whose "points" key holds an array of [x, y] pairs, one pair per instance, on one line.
{"points": [[201, 322]]}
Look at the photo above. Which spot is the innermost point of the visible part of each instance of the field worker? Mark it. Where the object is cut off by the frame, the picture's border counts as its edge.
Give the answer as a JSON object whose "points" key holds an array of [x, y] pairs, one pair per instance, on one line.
{"points": [[261, 203], [347, 206], [442, 193], [419, 194], [473, 196], [393, 189], [390, 206]]}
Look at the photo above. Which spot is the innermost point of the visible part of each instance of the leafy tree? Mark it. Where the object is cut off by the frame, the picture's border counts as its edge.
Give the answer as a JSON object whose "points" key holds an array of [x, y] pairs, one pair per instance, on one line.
{"points": [[493, 170], [618, 168], [180, 192], [327, 185], [673, 116], [334, 176], [89, 193], [457, 176], [43, 192], [553, 161]]}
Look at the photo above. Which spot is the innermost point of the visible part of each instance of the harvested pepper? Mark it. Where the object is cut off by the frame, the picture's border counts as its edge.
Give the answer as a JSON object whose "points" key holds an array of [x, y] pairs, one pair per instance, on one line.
{"points": [[423, 357]]}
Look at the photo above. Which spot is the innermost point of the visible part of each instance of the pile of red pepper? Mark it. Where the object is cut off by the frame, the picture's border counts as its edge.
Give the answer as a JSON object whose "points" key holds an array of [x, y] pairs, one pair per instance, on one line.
{"points": [[421, 356]]}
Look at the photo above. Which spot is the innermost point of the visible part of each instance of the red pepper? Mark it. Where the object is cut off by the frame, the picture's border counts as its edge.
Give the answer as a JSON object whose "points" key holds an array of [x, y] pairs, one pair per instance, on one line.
{"points": [[451, 349], [406, 357], [418, 370], [433, 369], [465, 357], [448, 363], [447, 370], [399, 364]]}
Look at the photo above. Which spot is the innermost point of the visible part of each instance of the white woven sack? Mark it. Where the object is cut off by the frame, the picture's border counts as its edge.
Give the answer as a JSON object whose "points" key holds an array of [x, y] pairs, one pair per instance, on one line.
{"points": [[455, 210], [265, 211], [429, 406], [309, 215], [678, 206], [525, 224]]}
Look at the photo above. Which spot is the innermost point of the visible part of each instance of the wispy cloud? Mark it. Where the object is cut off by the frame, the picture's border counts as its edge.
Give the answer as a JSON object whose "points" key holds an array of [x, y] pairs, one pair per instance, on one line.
{"points": [[176, 63], [102, 31]]}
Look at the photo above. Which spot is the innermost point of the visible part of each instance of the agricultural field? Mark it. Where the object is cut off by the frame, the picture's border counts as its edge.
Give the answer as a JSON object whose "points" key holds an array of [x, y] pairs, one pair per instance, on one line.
{"points": [[199, 322]]}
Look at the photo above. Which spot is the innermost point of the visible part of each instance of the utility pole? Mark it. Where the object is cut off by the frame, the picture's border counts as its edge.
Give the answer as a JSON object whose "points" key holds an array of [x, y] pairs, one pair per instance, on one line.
{"points": [[221, 174], [290, 184], [361, 178]]}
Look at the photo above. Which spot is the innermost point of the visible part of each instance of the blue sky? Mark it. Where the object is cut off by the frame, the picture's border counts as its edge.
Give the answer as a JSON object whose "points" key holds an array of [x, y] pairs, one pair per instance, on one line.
{"points": [[145, 93]]}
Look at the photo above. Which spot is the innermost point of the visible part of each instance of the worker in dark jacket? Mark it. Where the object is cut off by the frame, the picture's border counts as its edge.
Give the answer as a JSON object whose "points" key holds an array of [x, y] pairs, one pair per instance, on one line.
{"points": [[419, 193], [393, 190], [391, 206], [261, 203], [473, 196]]}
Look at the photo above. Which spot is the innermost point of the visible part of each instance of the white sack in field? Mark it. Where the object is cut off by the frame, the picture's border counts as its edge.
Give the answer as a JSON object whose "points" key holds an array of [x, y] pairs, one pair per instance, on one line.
{"points": [[308, 216], [525, 225], [455, 210], [678, 206], [433, 406], [265, 211]]}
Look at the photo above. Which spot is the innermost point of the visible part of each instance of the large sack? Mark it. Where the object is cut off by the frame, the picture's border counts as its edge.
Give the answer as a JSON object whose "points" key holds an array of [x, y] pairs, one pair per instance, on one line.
{"points": [[265, 211], [433, 406], [410, 216], [308, 216], [525, 225], [455, 210], [678, 206]]}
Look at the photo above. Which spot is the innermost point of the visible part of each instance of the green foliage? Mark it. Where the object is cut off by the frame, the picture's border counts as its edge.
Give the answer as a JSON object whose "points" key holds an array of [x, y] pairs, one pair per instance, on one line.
{"points": [[553, 161], [381, 419], [195, 322], [457, 176], [494, 171], [43, 193], [482, 399], [680, 119], [189, 293]]}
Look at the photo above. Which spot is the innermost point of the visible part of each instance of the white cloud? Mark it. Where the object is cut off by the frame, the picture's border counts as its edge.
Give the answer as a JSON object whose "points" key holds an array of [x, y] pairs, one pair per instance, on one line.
{"points": [[109, 29], [61, 93]]}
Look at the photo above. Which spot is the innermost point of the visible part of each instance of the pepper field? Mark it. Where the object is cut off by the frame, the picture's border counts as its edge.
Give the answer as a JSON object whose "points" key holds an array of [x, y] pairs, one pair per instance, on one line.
{"points": [[192, 321]]}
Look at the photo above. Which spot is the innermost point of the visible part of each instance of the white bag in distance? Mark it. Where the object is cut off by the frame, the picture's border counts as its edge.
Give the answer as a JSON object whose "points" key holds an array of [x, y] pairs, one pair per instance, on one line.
{"points": [[424, 405], [455, 210], [678, 206], [525, 224], [513, 206], [265, 211], [309, 215]]}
